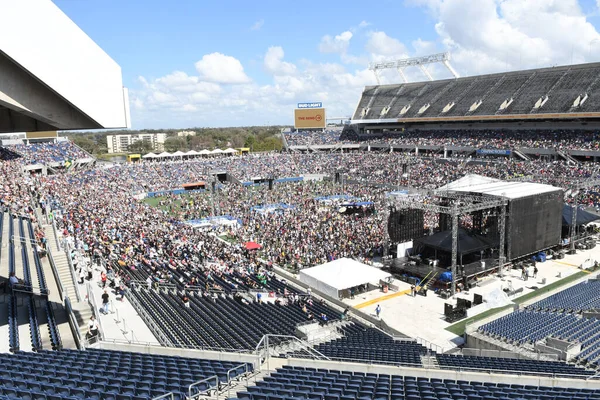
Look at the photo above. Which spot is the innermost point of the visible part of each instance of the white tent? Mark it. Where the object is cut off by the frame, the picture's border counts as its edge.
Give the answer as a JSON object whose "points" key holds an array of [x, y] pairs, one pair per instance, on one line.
{"points": [[333, 277], [217, 151], [204, 152], [178, 153], [149, 155], [230, 151], [164, 154], [192, 153]]}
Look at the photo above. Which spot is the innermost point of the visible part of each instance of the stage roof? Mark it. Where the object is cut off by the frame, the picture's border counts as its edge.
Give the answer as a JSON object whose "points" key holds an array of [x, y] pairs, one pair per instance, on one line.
{"points": [[583, 216], [467, 242], [494, 187], [340, 274]]}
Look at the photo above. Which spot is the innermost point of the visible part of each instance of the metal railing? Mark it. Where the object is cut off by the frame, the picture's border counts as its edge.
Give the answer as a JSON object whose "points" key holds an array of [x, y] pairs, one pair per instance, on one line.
{"points": [[273, 343], [243, 366], [169, 395], [72, 271], [95, 310], [58, 246], [148, 320], [198, 392], [459, 369], [74, 325], [61, 289]]}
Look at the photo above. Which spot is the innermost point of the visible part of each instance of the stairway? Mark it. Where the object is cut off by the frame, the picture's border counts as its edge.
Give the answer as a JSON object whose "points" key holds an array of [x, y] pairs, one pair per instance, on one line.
{"points": [[430, 362], [62, 266]]}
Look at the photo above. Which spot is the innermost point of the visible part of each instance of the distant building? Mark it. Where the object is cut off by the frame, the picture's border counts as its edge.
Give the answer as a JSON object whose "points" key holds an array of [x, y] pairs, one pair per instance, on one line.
{"points": [[186, 133], [121, 143]]}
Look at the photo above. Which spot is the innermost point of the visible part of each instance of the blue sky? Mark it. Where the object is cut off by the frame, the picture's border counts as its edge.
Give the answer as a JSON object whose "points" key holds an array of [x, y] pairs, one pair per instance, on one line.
{"points": [[230, 63]]}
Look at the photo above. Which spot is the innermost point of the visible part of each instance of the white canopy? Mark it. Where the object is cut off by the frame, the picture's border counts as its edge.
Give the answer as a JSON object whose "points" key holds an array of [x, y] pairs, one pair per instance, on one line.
{"points": [[178, 153], [164, 154], [230, 151], [216, 151], [192, 153], [204, 152], [341, 274], [149, 155]]}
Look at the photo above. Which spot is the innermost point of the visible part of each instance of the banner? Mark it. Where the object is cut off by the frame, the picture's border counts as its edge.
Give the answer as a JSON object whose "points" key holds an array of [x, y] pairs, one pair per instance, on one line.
{"points": [[310, 118], [495, 152], [310, 105]]}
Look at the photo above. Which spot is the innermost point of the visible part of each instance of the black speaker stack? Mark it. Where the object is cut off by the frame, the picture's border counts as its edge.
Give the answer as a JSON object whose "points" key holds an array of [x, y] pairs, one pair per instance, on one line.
{"points": [[405, 225], [453, 314]]}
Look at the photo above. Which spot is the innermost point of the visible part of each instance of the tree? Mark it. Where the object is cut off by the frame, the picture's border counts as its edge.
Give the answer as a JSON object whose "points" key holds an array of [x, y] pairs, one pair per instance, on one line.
{"points": [[85, 143], [141, 147], [175, 143]]}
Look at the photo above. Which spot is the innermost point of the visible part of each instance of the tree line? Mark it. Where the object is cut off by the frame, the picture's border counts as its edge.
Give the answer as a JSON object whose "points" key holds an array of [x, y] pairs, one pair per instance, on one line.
{"points": [[257, 138]]}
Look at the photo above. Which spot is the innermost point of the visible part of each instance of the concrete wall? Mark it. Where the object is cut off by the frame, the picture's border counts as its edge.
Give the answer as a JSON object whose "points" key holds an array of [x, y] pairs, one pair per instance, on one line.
{"points": [[448, 374], [171, 351]]}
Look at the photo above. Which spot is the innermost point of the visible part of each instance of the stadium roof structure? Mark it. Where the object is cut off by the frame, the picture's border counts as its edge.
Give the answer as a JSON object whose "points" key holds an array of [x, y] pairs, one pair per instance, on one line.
{"points": [[495, 187], [557, 93], [53, 76]]}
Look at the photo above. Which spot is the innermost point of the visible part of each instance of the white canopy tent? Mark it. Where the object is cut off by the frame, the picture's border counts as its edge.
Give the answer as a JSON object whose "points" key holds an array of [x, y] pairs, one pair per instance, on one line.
{"points": [[217, 151], [192, 153], [333, 277], [149, 155], [178, 153], [204, 152], [164, 154], [230, 151]]}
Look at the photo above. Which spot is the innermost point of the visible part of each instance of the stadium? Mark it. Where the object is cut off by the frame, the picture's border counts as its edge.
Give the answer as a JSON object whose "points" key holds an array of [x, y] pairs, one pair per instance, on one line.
{"points": [[441, 245]]}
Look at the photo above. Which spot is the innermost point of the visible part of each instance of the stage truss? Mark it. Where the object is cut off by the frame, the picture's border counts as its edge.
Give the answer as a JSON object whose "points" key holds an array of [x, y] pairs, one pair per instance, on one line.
{"points": [[459, 204]]}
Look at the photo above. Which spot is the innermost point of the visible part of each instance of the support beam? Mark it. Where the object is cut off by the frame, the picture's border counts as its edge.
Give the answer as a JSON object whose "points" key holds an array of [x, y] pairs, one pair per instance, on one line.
{"points": [[402, 75], [501, 250], [427, 74], [454, 247]]}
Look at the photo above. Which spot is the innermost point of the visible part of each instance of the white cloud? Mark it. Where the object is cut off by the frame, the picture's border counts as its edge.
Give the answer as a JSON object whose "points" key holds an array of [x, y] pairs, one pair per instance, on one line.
{"points": [[380, 44], [274, 63], [364, 24], [512, 34], [337, 44], [193, 101], [219, 68], [257, 25]]}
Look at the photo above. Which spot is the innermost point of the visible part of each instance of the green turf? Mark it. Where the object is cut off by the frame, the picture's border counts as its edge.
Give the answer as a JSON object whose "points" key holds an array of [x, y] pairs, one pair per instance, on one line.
{"points": [[459, 327]]}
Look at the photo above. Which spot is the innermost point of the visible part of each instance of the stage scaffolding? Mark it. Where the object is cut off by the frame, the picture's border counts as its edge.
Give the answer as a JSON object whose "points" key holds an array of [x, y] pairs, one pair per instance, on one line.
{"points": [[455, 205]]}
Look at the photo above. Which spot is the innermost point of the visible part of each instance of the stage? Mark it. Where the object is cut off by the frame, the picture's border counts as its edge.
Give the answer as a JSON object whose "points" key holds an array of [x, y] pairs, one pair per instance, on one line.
{"points": [[471, 272]]}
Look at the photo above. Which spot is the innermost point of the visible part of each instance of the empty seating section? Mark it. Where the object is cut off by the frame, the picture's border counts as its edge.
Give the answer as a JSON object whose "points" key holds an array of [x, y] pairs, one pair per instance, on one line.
{"points": [[507, 365], [494, 99], [366, 97], [223, 321], [234, 281], [562, 85], [427, 96], [405, 96], [13, 325], [583, 296], [382, 99], [363, 343], [575, 83], [104, 374], [310, 383], [454, 90], [535, 323], [536, 88], [521, 327], [473, 94]]}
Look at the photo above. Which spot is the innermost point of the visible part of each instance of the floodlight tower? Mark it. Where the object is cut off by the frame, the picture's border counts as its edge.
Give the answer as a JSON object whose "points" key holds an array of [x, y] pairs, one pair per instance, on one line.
{"points": [[419, 62]]}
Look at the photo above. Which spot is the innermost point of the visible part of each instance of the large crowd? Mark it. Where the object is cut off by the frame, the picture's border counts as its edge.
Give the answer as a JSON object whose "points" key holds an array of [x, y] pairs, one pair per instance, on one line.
{"points": [[558, 139], [47, 153], [98, 213]]}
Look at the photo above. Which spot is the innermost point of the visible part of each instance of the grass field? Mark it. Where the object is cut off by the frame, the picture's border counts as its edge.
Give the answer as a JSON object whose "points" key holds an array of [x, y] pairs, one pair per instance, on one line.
{"points": [[459, 327]]}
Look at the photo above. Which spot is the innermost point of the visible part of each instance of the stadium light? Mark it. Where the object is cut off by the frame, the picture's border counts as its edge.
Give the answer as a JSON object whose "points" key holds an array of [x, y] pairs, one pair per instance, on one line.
{"points": [[420, 62]]}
